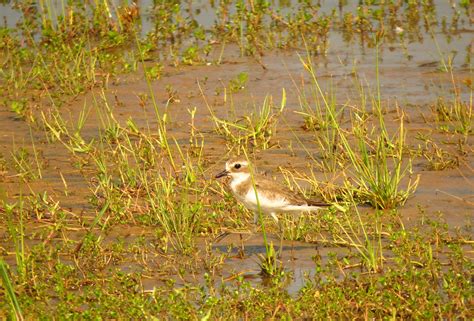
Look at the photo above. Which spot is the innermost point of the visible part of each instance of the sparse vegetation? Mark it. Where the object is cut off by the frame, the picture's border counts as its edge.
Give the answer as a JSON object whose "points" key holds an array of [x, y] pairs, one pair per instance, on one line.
{"points": [[115, 117]]}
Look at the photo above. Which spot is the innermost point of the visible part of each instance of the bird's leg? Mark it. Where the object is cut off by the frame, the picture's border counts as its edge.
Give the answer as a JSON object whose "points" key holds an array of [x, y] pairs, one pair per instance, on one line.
{"points": [[275, 218], [273, 214], [280, 228], [255, 222], [242, 248]]}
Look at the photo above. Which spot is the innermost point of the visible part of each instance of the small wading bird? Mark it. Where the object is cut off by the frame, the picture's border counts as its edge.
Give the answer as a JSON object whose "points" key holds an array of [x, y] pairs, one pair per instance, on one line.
{"points": [[272, 197]]}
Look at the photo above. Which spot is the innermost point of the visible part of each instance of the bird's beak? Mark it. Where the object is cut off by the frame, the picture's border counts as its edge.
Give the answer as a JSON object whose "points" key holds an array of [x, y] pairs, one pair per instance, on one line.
{"points": [[222, 174]]}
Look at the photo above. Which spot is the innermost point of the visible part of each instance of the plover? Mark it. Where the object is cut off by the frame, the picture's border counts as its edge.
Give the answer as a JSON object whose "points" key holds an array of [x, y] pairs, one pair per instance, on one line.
{"points": [[272, 197]]}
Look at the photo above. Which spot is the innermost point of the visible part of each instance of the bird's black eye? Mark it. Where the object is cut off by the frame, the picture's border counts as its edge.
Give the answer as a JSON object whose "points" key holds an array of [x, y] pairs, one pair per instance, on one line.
{"points": [[237, 166]]}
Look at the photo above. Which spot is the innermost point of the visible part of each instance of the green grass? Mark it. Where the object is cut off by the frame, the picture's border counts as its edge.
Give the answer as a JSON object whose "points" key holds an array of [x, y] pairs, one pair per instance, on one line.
{"points": [[117, 217], [255, 130], [377, 160], [10, 291]]}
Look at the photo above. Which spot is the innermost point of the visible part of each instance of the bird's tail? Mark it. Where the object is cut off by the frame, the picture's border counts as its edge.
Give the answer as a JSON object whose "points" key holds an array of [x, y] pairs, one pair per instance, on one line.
{"points": [[317, 203]]}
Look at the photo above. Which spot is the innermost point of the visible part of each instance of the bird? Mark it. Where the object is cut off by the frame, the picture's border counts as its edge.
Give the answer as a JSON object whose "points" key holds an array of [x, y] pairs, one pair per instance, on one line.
{"points": [[260, 192]]}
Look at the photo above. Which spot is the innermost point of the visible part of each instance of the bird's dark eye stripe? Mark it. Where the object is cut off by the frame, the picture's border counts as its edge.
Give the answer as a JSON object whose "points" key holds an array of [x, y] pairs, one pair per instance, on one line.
{"points": [[237, 166]]}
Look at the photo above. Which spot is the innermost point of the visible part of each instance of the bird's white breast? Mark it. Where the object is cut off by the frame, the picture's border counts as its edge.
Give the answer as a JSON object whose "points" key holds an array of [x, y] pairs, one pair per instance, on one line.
{"points": [[267, 204]]}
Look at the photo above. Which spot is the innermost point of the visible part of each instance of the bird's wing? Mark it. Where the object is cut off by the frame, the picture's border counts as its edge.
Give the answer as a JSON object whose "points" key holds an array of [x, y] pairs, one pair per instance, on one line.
{"points": [[290, 196]]}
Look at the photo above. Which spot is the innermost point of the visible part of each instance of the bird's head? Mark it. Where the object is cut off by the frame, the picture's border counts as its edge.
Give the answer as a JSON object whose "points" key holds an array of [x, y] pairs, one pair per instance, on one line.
{"points": [[235, 168]]}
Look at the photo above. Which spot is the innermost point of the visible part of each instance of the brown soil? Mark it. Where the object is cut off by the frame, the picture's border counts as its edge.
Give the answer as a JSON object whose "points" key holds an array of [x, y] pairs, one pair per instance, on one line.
{"points": [[411, 85]]}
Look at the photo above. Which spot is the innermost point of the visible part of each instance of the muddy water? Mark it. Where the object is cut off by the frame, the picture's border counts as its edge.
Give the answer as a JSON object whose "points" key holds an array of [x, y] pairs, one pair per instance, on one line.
{"points": [[297, 258], [410, 79]]}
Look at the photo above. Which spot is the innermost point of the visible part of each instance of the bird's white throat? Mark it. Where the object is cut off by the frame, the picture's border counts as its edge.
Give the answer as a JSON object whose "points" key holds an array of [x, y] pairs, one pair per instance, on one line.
{"points": [[237, 179]]}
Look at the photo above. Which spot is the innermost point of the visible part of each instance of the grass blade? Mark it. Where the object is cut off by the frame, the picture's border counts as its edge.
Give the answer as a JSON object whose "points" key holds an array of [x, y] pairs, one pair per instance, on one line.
{"points": [[10, 292]]}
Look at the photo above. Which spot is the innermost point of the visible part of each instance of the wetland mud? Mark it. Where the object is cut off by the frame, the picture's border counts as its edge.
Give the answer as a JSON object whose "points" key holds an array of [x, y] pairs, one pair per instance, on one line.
{"points": [[107, 159]]}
